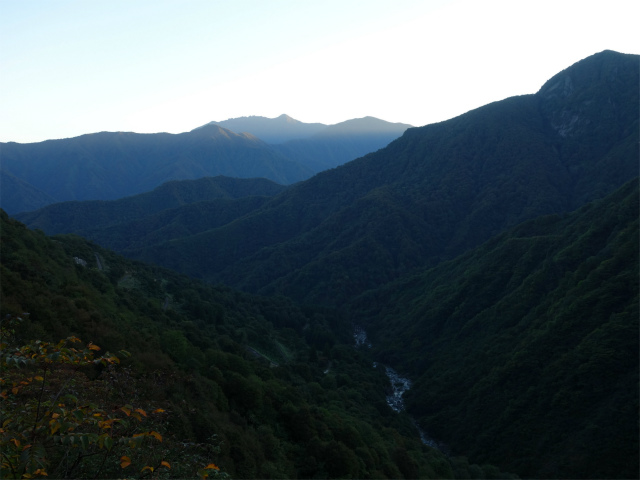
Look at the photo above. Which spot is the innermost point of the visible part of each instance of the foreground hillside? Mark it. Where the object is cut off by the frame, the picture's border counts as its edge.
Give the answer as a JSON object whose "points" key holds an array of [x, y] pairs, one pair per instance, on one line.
{"points": [[525, 350], [258, 387]]}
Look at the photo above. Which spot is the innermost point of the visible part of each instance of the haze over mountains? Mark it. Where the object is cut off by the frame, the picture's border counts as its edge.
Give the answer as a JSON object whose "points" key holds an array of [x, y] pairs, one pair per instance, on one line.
{"points": [[271, 130], [108, 166], [342, 142], [316, 145], [493, 257]]}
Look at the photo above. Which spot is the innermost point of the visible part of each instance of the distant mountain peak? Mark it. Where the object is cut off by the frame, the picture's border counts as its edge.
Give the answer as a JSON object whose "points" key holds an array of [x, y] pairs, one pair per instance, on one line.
{"points": [[572, 99], [364, 126], [270, 130], [214, 130], [288, 119], [595, 70], [285, 128]]}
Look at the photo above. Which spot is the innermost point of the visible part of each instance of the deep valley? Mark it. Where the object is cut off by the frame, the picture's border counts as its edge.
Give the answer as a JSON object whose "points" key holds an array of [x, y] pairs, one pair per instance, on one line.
{"points": [[359, 300]]}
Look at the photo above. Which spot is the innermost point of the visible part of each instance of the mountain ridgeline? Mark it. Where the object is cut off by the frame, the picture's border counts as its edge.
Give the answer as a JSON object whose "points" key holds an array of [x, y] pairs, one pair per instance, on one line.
{"points": [[271, 130], [430, 195], [109, 166], [319, 146], [492, 258]]}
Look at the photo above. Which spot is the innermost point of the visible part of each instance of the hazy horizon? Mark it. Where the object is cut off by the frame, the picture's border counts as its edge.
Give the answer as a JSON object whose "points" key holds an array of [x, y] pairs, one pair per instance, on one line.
{"points": [[72, 67]]}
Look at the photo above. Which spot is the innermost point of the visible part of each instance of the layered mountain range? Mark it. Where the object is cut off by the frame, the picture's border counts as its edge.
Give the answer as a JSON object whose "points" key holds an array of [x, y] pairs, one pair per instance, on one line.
{"points": [[493, 258], [315, 145], [430, 195], [96, 214], [271, 130], [108, 166]]}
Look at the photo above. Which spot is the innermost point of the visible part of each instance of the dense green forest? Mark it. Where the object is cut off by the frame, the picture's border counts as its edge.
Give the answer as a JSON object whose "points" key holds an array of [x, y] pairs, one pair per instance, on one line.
{"points": [[260, 387], [525, 350]]}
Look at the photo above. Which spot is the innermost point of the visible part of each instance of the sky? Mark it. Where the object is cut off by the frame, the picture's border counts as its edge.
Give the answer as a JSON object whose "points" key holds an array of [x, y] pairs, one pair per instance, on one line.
{"points": [[70, 67]]}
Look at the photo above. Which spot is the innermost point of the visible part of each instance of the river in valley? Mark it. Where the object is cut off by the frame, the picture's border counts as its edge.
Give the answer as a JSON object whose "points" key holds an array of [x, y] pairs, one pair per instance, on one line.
{"points": [[399, 385]]}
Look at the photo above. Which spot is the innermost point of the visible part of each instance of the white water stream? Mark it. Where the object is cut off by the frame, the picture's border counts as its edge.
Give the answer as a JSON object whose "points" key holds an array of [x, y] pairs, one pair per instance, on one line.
{"points": [[399, 386]]}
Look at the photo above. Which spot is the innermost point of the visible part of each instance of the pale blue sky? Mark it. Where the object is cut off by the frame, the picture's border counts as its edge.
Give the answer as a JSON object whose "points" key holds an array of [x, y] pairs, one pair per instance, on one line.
{"points": [[69, 67]]}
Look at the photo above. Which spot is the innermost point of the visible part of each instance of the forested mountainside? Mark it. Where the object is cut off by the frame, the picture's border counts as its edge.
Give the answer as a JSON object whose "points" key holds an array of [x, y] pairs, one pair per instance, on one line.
{"points": [[257, 387], [432, 194], [525, 350], [492, 258], [82, 216], [109, 166]]}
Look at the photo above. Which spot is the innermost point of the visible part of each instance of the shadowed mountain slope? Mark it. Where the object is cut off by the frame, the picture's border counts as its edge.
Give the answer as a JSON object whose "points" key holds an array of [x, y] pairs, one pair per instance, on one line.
{"points": [[108, 166], [17, 195], [81, 216], [432, 194], [525, 351]]}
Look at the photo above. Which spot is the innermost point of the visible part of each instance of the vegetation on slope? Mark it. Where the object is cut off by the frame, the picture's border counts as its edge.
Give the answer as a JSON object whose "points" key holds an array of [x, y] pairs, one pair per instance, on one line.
{"points": [[259, 386], [434, 193], [148, 212], [524, 351]]}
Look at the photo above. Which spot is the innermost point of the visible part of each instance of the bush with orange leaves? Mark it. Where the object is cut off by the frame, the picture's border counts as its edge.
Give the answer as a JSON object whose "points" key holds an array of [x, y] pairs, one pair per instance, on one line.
{"points": [[58, 422]]}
